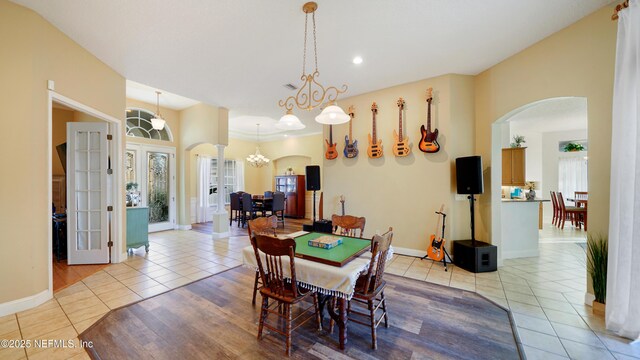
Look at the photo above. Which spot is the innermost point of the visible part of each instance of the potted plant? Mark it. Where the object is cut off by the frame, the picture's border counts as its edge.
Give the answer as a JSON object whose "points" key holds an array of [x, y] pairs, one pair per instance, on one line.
{"points": [[570, 147], [518, 140], [597, 253]]}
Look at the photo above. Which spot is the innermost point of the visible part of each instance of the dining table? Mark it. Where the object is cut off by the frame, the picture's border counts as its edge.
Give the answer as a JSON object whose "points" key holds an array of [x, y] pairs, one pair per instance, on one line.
{"points": [[331, 273], [579, 202]]}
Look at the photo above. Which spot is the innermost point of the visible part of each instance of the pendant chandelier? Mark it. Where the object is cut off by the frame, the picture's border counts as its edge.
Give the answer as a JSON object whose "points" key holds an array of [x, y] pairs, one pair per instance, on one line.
{"points": [[312, 94], [257, 159], [157, 122]]}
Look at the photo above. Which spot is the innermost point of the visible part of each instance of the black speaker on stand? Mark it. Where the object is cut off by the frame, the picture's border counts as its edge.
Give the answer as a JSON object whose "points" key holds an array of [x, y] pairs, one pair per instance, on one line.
{"points": [[472, 255], [313, 184]]}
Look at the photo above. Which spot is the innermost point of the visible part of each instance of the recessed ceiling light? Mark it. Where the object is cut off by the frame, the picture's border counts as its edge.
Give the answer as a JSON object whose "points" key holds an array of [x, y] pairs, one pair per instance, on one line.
{"points": [[357, 60], [285, 135]]}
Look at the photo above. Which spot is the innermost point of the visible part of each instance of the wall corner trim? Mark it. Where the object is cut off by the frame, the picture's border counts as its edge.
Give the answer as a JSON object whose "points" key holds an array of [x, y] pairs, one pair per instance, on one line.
{"points": [[589, 298], [25, 303]]}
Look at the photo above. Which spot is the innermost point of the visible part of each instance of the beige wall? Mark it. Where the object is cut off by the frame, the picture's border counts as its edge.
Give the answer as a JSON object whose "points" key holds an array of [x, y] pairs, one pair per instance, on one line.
{"points": [[39, 52], [404, 192], [199, 124], [576, 61]]}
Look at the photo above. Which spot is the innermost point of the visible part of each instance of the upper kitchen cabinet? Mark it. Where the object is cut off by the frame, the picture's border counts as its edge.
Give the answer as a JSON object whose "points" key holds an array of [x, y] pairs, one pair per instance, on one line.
{"points": [[513, 166]]}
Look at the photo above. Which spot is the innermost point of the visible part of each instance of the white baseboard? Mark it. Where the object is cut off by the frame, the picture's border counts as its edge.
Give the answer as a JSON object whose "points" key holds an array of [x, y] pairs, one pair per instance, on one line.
{"points": [[221, 235], [408, 252], [519, 254], [589, 298], [184, 227], [25, 303]]}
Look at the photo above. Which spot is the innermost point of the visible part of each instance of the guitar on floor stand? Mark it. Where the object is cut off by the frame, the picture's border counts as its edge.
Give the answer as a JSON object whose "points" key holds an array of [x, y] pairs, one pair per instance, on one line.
{"points": [[436, 250]]}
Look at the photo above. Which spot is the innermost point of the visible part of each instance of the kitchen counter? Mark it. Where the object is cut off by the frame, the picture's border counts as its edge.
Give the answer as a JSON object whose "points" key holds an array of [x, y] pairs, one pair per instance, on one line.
{"points": [[520, 223], [524, 200]]}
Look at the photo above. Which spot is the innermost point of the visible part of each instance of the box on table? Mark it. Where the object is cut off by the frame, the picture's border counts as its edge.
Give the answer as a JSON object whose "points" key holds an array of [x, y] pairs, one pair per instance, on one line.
{"points": [[326, 242]]}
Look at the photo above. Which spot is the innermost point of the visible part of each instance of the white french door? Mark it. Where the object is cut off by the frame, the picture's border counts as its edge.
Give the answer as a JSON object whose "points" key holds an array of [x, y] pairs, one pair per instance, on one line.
{"points": [[87, 217], [153, 168]]}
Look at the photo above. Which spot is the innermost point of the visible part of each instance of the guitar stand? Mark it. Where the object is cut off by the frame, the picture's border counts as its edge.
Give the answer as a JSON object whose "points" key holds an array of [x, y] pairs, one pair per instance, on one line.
{"points": [[444, 258], [446, 254]]}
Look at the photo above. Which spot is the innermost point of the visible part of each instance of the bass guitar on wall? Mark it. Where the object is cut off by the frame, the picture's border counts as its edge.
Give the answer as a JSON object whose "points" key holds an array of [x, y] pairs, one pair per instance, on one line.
{"points": [[375, 145], [331, 153], [429, 142], [401, 143], [351, 145]]}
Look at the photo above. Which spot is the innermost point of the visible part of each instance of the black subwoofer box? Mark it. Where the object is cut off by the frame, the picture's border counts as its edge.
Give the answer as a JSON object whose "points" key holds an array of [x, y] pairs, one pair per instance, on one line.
{"points": [[323, 226], [478, 257]]}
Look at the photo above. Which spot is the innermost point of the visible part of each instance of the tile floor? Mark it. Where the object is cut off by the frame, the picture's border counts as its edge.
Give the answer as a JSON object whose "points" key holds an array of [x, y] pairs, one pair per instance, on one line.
{"points": [[544, 293]]}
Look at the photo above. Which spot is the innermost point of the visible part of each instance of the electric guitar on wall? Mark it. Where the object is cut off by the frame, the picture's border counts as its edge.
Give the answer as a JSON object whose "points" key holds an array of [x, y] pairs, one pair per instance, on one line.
{"points": [[429, 142], [331, 153], [351, 146], [375, 145], [401, 144]]}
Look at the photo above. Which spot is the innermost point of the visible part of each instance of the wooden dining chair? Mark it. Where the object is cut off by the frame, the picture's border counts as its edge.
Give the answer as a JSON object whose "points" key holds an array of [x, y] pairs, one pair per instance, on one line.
{"points": [[577, 215], [263, 226], [348, 225], [556, 210], [278, 253], [581, 195], [368, 297]]}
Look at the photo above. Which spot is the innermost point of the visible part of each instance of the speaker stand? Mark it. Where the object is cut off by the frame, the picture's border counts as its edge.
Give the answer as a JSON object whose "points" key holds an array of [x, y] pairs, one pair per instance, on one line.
{"points": [[314, 206], [472, 201]]}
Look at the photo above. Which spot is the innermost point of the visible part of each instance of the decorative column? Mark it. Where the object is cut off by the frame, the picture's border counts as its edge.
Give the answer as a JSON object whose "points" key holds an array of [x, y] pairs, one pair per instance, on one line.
{"points": [[220, 217]]}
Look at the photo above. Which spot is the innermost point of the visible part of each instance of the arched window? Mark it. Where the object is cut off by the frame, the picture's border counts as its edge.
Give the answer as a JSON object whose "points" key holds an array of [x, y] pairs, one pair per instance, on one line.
{"points": [[139, 125]]}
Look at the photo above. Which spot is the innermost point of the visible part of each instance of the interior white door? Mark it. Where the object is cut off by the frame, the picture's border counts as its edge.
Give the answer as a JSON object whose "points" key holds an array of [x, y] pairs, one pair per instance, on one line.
{"points": [[87, 222]]}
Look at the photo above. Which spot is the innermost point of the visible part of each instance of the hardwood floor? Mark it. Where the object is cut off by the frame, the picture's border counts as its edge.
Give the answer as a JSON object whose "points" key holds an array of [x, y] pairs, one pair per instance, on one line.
{"points": [[213, 318], [65, 275]]}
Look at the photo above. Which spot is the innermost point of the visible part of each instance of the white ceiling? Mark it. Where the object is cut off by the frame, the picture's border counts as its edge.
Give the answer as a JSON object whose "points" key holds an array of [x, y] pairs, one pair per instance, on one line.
{"points": [[239, 54], [560, 114]]}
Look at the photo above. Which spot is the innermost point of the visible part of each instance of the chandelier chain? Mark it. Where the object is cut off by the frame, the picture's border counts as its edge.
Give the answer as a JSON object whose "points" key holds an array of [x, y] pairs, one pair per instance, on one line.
{"points": [[304, 51], [315, 44]]}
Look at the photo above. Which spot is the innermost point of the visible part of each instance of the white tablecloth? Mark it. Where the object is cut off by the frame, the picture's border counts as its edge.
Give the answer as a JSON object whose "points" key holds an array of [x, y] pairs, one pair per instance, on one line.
{"points": [[325, 279]]}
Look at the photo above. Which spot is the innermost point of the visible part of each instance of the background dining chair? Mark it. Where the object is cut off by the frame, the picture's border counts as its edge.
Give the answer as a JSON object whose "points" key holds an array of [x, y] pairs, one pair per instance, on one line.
{"points": [[577, 215], [556, 210], [262, 226], [369, 289], [581, 195], [248, 209], [277, 206], [235, 208], [348, 225], [284, 290], [268, 194]]}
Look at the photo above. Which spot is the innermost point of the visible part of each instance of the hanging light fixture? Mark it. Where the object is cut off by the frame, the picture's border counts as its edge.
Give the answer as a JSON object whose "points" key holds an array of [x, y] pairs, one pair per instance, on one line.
{"points": [[257, 159], [312, 94], [157, 122]]}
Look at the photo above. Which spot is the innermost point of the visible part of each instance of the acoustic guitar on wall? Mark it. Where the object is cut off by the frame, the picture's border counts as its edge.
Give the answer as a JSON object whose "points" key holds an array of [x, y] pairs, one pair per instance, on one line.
{"points": [[428, 141], [375, 145], [351, 145], [401, 143], [331, 152]]}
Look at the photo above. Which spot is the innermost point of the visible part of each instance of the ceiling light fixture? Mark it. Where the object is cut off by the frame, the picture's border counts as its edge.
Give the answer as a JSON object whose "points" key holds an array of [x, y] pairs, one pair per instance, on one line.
{"points": [[312, 94], [357, 60], [157, 122], [257, 159]]}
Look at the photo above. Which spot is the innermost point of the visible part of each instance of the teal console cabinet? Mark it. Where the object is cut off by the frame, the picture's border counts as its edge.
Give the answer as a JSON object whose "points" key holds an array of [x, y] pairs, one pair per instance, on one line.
{"points": [[137, 228]]}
